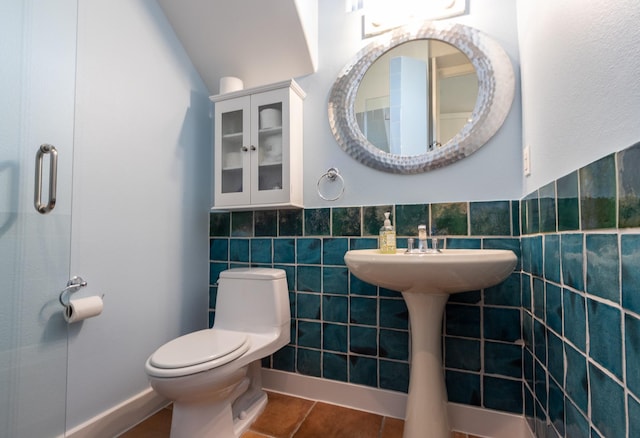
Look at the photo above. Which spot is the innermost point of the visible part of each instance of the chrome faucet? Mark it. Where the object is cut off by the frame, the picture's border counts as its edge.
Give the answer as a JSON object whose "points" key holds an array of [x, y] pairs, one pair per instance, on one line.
{"points": [[422, 238], [422, 243]]}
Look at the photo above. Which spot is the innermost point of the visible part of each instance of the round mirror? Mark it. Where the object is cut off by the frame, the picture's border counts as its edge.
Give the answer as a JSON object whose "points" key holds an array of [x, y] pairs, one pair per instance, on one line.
{"points": [[416, 97], [421, 98]]}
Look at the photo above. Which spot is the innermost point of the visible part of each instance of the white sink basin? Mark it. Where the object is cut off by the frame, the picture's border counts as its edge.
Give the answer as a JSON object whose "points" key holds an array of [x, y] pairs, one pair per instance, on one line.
{"points": [[447, 272], [426, 280]]}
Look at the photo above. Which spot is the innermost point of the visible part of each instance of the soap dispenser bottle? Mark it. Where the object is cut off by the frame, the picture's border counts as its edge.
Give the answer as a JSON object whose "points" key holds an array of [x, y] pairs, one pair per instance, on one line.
{"points": [[387, 238]]}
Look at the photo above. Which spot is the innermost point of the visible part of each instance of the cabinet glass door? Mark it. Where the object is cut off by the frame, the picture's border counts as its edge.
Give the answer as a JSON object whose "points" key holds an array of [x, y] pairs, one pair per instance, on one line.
{"points": [[270, 147], [232, 153]]}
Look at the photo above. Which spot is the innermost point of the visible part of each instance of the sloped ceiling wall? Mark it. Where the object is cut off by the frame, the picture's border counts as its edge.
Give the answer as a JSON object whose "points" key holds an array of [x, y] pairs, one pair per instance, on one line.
{"points": [[258, 41]]}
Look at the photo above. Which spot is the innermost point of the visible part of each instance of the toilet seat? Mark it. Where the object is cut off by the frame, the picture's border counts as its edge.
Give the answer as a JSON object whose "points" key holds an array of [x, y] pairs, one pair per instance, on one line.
{"points": [[197, 351]]}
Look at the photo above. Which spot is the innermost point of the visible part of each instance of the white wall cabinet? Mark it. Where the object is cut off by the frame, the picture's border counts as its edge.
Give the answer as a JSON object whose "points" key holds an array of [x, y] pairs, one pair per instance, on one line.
{"points": [[258, 148]]}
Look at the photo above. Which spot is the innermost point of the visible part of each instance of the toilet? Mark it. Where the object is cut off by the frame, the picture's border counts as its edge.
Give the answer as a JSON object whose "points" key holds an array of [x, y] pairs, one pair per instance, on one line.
{"points": [[213, 375]]}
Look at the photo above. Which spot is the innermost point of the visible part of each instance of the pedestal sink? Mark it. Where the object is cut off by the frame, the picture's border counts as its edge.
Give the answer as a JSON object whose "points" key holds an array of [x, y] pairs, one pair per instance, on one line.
{"points": [[426, 280]]}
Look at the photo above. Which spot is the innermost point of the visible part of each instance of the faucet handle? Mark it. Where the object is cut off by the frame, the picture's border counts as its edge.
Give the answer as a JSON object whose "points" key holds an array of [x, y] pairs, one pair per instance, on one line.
{"points": [[410, 241]]}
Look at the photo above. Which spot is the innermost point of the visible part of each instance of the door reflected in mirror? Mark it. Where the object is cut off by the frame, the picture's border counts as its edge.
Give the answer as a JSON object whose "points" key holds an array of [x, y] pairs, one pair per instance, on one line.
{"points": [[416, 97]]}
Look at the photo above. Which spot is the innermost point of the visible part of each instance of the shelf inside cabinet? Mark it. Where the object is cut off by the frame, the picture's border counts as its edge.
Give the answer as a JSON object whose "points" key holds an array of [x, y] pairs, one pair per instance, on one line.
{"points": [[232, 135], [272, 130], [270, 163]]}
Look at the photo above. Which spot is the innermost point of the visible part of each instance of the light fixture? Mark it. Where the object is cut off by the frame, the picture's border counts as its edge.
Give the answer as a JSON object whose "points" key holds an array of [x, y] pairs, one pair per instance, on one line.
{"points": [[382, 15]]}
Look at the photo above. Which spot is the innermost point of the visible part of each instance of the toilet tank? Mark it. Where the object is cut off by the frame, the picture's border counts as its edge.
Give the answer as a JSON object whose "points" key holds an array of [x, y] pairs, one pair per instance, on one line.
{"points": [[252, 300]]}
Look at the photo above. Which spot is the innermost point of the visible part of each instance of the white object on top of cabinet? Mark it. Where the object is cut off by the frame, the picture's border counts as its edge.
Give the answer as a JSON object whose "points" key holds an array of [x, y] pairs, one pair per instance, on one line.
{"points": [[258, 148]]}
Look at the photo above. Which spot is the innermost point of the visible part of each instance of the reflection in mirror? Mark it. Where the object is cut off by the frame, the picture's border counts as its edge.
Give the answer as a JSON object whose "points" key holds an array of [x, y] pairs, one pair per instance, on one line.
{"points": [[458, 81], [416, 97]]}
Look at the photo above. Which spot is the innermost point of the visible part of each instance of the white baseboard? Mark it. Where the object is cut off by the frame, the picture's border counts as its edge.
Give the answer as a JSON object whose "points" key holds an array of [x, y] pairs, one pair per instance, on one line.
{"points": [[487, 423], [120, 418], [363, 398], [463, 418]]}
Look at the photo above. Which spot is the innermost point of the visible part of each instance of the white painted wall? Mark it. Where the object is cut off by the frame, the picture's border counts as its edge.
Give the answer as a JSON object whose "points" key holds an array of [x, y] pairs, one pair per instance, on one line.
{"points": [[140, 199], [493, 172], [580, 65], [308, 12]]}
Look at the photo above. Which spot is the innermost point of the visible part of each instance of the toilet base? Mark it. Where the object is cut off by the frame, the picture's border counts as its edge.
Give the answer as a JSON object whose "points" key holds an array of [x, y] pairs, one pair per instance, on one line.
{"points": [[246, 408], [208, 421], [242, 422], [227, 417]]}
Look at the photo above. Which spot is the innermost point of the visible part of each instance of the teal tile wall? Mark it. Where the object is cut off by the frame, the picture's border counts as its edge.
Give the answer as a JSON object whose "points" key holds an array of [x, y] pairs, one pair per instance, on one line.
{"points": [[559, 340], [581, 301], [347, 330], [629, 187]]}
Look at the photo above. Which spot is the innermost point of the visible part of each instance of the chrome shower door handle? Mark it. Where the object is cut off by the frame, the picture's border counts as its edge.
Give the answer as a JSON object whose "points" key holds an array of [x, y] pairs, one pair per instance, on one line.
{"points": [[46, 149]]}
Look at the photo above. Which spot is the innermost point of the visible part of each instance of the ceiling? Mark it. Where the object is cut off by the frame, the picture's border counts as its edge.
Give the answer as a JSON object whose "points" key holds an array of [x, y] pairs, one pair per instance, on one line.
{"points": [[258, 41]]}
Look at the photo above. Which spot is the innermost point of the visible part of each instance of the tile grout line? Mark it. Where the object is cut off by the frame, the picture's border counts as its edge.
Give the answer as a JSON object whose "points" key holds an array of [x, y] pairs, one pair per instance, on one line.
{"points": [[303, 419]]}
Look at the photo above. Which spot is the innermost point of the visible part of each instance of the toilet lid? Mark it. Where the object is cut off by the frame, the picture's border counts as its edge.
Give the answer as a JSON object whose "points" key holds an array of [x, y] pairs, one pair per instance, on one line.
{"points": [[200, 347]]}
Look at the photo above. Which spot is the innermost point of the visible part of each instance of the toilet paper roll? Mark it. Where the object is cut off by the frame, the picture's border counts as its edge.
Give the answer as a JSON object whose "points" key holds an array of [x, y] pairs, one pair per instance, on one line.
{"points": [[230, 83], [270, 118], [82, 308]]}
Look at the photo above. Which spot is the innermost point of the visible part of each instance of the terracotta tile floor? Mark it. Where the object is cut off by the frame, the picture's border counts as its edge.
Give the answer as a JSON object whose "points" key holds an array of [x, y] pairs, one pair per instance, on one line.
{"points": [[292, 417]]}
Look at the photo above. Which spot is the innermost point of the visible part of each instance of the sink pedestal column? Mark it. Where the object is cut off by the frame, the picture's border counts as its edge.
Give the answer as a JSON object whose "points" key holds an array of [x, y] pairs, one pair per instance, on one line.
{"points": [[426, 415]]}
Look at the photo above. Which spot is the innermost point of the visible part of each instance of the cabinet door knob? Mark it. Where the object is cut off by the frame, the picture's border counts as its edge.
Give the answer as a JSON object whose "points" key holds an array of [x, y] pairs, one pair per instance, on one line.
{"points": [[253, 148], [245, 149]]}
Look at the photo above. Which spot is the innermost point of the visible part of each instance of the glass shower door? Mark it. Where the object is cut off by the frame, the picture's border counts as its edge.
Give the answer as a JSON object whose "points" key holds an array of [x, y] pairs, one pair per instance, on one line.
{"points": [[37, 81]]}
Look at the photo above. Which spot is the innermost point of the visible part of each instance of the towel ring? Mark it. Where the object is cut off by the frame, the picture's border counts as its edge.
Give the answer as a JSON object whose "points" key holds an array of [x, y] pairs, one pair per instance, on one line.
{"points": [[331, 175]]}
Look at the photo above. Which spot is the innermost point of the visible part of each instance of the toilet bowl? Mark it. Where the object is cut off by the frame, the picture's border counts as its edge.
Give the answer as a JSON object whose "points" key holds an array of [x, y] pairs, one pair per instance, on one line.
{"points": [[213, 375]]}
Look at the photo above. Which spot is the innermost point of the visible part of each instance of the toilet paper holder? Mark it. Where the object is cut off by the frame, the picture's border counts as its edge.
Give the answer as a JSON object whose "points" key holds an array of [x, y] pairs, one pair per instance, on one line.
{"points": [[73, 285]]}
